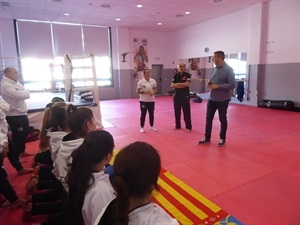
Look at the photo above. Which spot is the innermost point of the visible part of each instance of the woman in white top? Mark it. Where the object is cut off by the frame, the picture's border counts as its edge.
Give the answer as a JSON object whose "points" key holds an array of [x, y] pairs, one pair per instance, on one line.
{"points": [[147, 89], [137, 167], [90, 189]]}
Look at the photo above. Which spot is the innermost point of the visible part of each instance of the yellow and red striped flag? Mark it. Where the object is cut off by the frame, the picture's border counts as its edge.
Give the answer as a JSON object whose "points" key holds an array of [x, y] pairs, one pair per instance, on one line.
{"points": [[187, 205]]}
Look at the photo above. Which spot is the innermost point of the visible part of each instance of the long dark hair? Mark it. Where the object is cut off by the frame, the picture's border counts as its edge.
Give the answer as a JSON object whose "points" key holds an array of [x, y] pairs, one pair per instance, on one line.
{"points": [[54, 119], [77, 121], [58, 119], [96, 146], [137, 167]]}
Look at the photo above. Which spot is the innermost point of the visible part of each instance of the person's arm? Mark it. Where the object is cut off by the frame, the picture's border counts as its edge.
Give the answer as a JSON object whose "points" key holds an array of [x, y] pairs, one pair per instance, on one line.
{"points": [[139, 89], [154, 89], [16, 94], [180, 85], [4, 108], [146, 57], [185, 84], [174, 84], [230, 80], [3, 145], [136, 56]]}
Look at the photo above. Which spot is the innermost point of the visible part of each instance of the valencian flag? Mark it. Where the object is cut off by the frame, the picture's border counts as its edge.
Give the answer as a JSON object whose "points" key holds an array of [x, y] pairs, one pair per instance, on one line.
{"points": [[187, 205]]}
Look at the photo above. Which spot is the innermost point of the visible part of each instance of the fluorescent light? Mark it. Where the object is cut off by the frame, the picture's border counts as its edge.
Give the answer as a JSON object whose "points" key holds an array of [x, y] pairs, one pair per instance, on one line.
{"points": [[187, 13], [139, 6], [66, 14], [159, 24], [118, 19]]}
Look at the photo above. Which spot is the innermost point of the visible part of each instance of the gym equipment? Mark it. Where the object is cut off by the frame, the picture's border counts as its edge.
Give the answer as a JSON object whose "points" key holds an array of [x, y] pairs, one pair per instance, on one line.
{"points": [[277, 104], [70, 87]]}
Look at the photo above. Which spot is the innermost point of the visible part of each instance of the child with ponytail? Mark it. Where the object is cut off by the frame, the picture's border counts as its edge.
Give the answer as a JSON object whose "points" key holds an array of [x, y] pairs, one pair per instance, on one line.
{"points": [[56, 127], [90, 189], [80, 122], [137, 167]]}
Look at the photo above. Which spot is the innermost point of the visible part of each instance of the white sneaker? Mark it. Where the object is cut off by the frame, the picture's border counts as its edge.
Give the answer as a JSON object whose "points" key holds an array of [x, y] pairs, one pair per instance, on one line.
{"points": [[142, 130], [153, 129]]}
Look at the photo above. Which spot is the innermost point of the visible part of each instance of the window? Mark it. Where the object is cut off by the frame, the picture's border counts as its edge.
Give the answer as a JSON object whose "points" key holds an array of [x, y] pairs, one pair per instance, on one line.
{"points": [[239, 64], [103, 69], [43, 62], [36, 73]]}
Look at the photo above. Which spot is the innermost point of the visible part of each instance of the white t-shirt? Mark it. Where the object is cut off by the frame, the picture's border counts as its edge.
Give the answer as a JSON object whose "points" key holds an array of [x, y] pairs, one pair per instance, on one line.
{"points": [[98, 196], [150, 214], [146, 86]]}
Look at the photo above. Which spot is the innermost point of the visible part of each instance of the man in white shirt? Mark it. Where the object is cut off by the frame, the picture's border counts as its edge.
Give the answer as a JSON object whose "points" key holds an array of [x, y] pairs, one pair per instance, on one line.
{"points": [[147, 89], [12, 154], [15, 94]]}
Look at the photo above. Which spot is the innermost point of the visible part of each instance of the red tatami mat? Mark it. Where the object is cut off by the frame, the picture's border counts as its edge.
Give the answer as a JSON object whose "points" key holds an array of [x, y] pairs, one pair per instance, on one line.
{"points": [[255, 177]]}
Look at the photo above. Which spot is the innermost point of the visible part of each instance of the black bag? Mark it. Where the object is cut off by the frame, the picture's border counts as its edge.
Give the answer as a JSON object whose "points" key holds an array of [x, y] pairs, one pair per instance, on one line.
{"points": [[33, 134], [172, 92], [277, 104], [197, 99], [192, 94]]}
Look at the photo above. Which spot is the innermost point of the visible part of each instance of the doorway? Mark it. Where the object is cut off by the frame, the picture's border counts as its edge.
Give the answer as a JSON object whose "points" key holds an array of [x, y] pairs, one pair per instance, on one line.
{"points": [[156, 74]]}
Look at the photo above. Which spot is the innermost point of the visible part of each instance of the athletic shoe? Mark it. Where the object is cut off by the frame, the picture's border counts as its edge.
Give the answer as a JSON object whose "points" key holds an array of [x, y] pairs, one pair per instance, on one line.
{"points": [[142, 130], [153, 129], [188, 130], [203, 142], [221, 143]]}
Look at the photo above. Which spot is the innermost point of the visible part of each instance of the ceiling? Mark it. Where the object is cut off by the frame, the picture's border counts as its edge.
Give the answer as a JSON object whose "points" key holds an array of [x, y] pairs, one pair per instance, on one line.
{"points": [[171, 13]]}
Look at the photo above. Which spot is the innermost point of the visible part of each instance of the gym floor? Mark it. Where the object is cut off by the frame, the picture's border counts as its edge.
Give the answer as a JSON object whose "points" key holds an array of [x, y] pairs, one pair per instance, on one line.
{"points": [[255, 177]]}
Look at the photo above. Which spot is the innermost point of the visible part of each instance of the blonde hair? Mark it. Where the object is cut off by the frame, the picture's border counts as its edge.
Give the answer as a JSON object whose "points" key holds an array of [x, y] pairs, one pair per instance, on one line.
{"points": [[44, 139]]}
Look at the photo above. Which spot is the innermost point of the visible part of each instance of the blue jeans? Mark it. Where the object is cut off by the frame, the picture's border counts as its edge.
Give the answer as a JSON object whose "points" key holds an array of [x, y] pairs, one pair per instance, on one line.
{"points": [[212, 107]]}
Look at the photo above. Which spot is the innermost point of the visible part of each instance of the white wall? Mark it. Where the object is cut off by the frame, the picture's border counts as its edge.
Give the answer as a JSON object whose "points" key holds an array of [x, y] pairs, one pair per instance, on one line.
{"points": [[283, 31], [229, 33], [249, 30]]}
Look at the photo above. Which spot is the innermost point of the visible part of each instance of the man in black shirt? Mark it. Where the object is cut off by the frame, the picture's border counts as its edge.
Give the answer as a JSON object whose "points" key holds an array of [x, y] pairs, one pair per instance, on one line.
{"points": [[181, 82]]}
